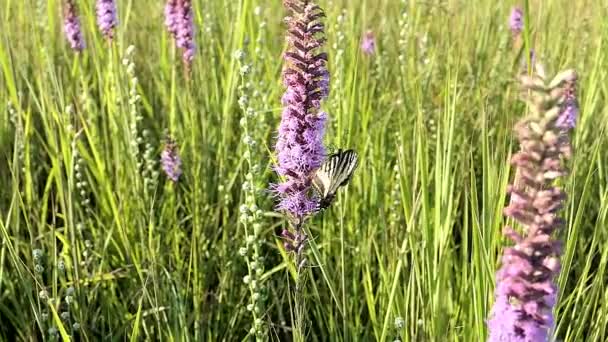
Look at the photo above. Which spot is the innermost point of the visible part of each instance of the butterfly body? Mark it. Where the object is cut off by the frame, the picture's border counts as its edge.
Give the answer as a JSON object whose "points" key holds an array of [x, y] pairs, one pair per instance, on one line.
{"points": [[333, 174]]}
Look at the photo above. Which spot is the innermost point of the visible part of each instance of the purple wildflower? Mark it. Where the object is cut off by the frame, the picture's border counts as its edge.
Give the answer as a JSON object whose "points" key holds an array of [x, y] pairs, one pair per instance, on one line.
{"points": [[171, 16], [569, 111], [170, 161], [516, 21], [299, 145], [525, 290], [368, 45], [185, 30], [106, 17], [180, 24], [71, 27]]}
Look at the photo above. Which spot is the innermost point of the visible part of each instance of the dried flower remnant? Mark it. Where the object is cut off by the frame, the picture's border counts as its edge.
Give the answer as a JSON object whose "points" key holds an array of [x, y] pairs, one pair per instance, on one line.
{"points": [[524, 60], [525, 291], [293, 242], [368, 44], [170, 160], [299, 145], [107, 19], [516, 21], [71, 27]]}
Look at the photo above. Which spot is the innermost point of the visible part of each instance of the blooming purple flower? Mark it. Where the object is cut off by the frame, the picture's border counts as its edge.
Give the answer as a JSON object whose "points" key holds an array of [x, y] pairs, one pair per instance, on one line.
{"points": [[106, 17], [71, 27], [525, 291], [170, 161], [171, 16], [180, 24], [368, 45], [299, 145], [516, 21], [569, 111], [185, 30]]}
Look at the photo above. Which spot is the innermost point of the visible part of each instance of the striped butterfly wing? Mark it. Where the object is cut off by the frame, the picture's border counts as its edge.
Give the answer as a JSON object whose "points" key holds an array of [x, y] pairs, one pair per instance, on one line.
{"points": [[334, 173]]}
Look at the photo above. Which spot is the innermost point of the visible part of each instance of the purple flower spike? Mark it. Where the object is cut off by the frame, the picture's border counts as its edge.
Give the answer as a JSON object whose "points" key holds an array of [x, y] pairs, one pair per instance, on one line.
{"points": [[106, 17], [172, 16], [525, 289], [170, 161], [71, 27], [185, 31], [368, 45], [299, 146], [180, 24], [516, 21]]}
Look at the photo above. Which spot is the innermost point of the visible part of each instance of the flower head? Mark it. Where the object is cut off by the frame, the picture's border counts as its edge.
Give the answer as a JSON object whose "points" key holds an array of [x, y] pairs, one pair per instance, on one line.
{"points": [[569, 110], [170, 161], [71, 27], [180, 24], [368, 44], [299, 145], [525, 291], [106, 17], [172, 16], [516, 21], [185, 31]]}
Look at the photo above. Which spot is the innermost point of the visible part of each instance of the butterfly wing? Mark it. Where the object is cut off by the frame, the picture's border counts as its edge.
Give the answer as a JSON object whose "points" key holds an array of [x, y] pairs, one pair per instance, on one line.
{"points": [[345, 166], [321, 181], [334, 173]]}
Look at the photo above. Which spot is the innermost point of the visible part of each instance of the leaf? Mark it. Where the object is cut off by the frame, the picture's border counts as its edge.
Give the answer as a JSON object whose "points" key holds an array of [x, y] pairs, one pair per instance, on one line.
{"points": [[60, 327], [135, 331]]}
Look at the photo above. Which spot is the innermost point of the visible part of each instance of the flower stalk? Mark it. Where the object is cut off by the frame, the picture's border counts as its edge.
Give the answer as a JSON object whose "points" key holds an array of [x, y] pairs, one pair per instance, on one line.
{"points": [[526, 291], [251, 217], [299, 147]]}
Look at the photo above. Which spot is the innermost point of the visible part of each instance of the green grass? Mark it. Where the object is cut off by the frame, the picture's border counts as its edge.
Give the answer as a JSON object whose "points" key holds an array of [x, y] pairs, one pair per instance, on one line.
{"points": [[415, 237]]}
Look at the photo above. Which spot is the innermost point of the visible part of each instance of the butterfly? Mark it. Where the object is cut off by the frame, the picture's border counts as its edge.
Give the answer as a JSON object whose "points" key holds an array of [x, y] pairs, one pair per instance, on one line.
{"points": [[335, 172]]}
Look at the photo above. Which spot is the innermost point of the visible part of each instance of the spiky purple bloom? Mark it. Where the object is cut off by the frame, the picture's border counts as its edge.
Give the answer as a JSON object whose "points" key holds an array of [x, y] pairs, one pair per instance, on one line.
{"points": [[299, 145], [171, 16], [180, 24], [184, 34], [516, 21], [368, 44], [71, 27], [107, 18], [170, 161], [525, 290]]}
